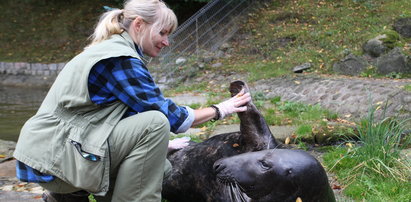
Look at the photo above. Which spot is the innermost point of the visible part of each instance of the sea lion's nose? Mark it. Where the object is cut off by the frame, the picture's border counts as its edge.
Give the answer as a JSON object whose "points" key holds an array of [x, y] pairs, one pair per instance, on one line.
{"points": [[218, 166]]}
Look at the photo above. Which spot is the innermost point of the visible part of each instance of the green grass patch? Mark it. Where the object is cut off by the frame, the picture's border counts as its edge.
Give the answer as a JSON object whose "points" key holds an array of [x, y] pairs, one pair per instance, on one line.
{"points": [[408, 87], [295, 113], [194, 138], [304, 130], [193, 88], [373, 169]]}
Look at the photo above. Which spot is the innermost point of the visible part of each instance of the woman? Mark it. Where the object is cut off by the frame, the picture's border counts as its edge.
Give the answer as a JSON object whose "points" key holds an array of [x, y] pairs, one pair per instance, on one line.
{"points": [[103, 128]]}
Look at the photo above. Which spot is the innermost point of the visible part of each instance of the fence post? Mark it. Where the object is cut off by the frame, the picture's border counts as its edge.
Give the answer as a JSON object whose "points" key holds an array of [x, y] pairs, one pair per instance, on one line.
{"points": [[197, 48]]}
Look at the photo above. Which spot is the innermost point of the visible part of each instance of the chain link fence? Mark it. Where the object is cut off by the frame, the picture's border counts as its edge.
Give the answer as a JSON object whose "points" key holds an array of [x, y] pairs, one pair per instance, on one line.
{"points": [[206, 30]]}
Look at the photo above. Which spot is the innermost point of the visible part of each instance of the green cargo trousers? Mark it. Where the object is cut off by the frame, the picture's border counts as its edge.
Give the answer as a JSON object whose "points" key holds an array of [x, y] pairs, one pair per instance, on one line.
{"points": [[138, 149]]}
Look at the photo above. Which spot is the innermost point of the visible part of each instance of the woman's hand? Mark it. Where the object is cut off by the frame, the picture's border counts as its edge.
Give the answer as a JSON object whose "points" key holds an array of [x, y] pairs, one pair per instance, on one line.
{"points": [[178, 143], [234, 104]]}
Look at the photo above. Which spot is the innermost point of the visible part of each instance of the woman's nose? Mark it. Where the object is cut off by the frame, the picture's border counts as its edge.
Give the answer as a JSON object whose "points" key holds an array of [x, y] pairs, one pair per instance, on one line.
{"points": [[165, 42]]}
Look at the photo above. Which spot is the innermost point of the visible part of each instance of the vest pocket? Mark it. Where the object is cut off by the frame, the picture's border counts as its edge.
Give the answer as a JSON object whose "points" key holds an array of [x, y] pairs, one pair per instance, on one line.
{"points": [[81, 169]]}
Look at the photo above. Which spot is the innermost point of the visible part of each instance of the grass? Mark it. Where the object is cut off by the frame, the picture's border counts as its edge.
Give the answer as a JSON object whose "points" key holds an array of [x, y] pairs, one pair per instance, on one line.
{"points": [[373, 168], [408, 87], [285, 34], [295, 113]]}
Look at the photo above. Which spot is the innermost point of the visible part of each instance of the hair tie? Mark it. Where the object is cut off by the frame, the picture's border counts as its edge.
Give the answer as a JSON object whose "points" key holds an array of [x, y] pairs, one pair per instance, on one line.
{"points": [[108, 8]]}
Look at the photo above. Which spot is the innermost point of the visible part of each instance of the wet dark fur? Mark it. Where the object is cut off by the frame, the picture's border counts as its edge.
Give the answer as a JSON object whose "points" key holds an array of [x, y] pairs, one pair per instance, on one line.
{"points": [[193, 177]]}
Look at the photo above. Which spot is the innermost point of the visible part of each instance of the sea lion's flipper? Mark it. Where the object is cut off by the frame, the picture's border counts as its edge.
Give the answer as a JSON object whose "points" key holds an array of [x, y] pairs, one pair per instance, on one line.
{"points": [[255, 133]]}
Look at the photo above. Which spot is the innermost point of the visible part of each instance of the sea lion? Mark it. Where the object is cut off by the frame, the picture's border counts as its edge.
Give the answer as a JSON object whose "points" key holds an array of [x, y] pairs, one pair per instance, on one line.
{"points": [[193, 177], [276, 175]]}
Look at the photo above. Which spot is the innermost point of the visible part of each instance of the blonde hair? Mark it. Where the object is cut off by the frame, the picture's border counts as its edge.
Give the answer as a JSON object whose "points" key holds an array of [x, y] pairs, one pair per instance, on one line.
{"points": [[153, 12]]}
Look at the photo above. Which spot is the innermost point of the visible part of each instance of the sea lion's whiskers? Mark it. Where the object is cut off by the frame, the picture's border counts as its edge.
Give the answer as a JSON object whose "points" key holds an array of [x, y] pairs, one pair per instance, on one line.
{"points": [[243, 196], [273, 149], [228, 191], [233, 192], [236, 195]]}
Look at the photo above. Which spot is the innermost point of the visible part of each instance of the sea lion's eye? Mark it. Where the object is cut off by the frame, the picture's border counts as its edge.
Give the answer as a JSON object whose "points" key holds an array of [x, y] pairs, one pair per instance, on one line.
{"points": [[264, 165]]}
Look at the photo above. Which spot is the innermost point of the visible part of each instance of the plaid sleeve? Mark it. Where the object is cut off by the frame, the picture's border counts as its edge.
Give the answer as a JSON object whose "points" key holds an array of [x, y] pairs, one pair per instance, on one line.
{"points": [[26, 173], [129, 81]]}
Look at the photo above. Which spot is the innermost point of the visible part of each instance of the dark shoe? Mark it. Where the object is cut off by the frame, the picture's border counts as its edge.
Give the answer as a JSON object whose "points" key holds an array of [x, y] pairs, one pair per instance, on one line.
{"points": [[80, 196]]}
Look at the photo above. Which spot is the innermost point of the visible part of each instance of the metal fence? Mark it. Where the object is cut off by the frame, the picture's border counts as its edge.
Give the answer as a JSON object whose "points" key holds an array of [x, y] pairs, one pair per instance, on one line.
{"points": [[206, 30]]}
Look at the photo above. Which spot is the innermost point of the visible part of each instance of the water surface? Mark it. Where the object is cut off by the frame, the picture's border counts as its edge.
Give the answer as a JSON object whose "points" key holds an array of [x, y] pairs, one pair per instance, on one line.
{"points": [[17, 104]]}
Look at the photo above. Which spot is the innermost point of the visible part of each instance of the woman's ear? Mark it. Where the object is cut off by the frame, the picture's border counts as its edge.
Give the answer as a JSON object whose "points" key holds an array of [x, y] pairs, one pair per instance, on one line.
{"points": [[137, 24]]}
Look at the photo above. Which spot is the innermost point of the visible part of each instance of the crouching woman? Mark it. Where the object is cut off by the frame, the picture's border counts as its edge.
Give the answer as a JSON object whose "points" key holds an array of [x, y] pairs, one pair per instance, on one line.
{"points": [[104, 125]]}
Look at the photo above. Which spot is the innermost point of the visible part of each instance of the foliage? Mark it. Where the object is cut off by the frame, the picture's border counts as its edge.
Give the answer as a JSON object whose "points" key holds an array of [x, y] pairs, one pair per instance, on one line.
{"points": [[373, 168], [91, 198], [392, 39], [408, 87], [303, 131], [194, 138], [370, 71]]}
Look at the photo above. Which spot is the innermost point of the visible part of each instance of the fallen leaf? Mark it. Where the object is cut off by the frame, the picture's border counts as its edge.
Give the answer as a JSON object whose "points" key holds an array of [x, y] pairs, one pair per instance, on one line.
{"points": [[2, 156], [287, 140], [235, 145], [379, 103]]}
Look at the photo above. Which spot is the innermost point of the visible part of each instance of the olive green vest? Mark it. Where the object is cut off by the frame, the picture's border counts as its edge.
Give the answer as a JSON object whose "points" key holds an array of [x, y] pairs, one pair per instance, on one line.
{"points": [[67, 114]]}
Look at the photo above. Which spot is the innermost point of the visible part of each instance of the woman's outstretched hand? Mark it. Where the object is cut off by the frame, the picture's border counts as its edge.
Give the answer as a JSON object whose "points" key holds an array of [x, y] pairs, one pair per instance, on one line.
{"points": [[235, 104]]}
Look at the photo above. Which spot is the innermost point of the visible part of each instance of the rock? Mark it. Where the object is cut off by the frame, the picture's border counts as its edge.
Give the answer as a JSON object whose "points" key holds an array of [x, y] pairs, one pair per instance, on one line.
{"points": [[6, 149], [301, 68], [181, 61], [217, 65], [12, 196], [407, 99], [8, 169], [393, 62], [375, 47], [351, 65], [403, 27], [219, 54], [225, 46]]}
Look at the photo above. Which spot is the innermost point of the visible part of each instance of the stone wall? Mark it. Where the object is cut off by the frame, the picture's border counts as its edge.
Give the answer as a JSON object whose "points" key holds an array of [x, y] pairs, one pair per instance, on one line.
{"points": [[25, 74], [33, 69]]}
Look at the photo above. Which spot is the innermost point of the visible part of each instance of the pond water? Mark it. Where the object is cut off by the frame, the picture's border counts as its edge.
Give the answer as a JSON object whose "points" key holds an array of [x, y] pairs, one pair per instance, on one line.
{"points": [[16, 106]]}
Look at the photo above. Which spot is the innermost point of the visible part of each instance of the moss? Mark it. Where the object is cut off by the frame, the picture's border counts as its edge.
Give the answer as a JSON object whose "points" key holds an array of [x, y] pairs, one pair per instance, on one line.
{"points": [[392, 39]]}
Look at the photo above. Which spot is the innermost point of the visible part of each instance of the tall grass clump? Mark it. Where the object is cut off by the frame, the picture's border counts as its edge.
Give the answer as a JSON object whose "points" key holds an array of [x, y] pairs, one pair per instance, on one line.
{"points": [[373, 167], [380, 146]]}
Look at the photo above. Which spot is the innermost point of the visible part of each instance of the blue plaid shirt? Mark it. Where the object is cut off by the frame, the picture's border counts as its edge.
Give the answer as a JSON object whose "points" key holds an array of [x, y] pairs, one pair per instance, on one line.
{"points": [[128, 80]]}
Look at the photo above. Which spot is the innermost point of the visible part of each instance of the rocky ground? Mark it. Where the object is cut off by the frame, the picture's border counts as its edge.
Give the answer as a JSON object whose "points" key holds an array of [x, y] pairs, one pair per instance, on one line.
{"points": [[348, 96]]}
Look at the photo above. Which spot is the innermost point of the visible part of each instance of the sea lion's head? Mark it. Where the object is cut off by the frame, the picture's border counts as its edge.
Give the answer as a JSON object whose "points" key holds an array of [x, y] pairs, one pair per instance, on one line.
{"points": [[274, 175]]}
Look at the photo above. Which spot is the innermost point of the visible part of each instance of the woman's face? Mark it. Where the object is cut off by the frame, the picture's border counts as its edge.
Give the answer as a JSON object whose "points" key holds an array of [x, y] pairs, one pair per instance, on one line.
{"points": [[150, 40], [153, 41]]}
